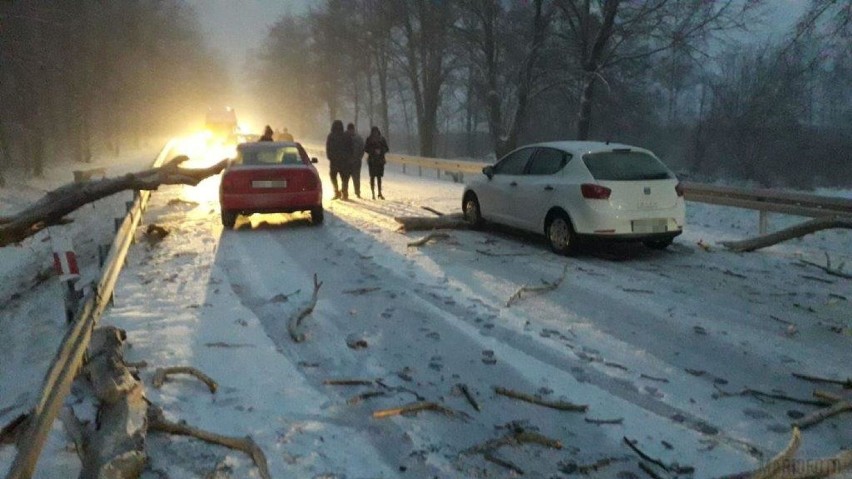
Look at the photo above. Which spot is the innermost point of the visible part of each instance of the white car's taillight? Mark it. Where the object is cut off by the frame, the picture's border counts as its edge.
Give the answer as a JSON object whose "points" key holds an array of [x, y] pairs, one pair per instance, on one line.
{"points": [[595, 192]]}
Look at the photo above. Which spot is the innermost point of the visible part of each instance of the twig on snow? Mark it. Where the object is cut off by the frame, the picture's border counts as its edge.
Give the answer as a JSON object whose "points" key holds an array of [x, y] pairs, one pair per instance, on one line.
{"points": [[161, 374], [294, 326], [417, 407], [158, 422], [467, 394], [348, 382], [758, 394], [560, 405], [432, 210], [430, 237], [604, 421], [503, 463], [360, 291], [364, 396], [537, 289], [673, 468], [823, 414], [846, 383]]}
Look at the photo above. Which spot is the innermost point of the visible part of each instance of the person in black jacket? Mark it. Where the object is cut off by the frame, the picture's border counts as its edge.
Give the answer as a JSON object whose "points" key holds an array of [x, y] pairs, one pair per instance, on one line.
{"points": [[338, 149], [376, 146], [267, 134]]}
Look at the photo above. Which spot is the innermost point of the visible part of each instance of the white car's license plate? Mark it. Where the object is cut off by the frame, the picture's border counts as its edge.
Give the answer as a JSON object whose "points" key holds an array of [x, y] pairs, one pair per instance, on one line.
{"points": [[649, 226], [269, 184]]}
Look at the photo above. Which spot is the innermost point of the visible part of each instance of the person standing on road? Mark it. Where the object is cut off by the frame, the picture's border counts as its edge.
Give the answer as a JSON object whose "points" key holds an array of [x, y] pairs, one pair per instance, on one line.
{"points": [[357, 155], [376, 147], [338, 149]]}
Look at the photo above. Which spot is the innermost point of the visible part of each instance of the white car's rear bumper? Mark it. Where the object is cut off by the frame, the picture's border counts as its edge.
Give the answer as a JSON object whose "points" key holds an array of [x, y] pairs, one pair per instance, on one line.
{"points": [[600, 220]]}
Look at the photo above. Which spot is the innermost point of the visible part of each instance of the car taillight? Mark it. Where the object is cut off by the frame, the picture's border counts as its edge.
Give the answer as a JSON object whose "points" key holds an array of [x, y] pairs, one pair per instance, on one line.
{"points": [[595, 192], [679, 189]]}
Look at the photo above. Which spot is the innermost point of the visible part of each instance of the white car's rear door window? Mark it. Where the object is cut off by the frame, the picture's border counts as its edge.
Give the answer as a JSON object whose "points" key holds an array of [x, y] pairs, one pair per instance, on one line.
{"points": [[547, 161], [625, 165], [513, 163]]}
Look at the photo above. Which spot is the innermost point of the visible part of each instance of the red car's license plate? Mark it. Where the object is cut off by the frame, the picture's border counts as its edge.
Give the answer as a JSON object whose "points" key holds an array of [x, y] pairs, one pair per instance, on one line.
{"points": [[269, 184]]}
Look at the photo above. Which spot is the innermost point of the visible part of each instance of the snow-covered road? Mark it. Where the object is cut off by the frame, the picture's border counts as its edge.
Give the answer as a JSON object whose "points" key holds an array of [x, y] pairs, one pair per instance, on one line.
{"points": [[644, 336]]}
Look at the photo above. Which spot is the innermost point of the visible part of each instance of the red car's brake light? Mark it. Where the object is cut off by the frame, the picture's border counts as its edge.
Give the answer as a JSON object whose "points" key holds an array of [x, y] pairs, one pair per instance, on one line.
{"points": [[595, 192], [679, 189]]}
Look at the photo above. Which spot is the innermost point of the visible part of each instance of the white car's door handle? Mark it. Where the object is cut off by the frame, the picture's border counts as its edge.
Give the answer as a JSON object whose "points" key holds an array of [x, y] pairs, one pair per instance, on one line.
{"points": [[548, 188]]}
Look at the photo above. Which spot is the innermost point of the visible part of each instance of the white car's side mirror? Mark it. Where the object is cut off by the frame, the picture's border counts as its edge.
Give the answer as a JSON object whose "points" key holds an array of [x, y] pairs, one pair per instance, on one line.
{"points": [[488, 171]]}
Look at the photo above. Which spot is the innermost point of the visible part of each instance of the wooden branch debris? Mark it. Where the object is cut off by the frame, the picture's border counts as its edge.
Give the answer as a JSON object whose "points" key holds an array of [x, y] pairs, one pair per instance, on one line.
{"points": [[161, 374], [430, 237], [846, 383], [358, 399], [836, 271], [517, 436], [432, 210], [467, 395], [415, 407], [54, 207], [806, 228], [537, 289], [673, 468], [490, 457], [158, 422], [600, 422], [560, 405], [348, 382], [361, 291], [294, 326], [838, 406], [759, 394], [10, 432], [423, 223]]}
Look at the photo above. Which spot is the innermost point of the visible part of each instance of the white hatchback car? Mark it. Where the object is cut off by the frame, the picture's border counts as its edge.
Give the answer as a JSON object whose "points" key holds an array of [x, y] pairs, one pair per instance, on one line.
{"points": [[573, 190]]}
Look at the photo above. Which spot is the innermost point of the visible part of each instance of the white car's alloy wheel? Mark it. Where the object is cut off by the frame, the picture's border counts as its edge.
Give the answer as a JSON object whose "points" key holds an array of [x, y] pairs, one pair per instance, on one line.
{"points": [[471, 211], [560, 235]]}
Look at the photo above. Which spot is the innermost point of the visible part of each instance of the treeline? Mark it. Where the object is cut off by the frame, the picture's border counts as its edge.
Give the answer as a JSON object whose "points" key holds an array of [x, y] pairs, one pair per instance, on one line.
{"points": [[480, 77], [79, 77]]}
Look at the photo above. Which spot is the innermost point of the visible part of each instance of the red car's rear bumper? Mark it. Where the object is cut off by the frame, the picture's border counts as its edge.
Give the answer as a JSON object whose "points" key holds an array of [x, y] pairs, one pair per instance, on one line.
{"points": [[270, 202]]}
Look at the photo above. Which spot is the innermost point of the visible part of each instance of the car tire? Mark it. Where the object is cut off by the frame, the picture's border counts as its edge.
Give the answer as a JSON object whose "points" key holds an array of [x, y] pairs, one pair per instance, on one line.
{"points": [[658, 244], [229, 218], [317, 215], [560, 234], [472, 211]]}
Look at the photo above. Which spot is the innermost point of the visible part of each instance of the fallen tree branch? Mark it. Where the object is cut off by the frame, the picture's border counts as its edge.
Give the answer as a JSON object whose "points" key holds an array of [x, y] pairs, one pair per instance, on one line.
{"points": [[517, 436], [823, 414], [348, 382], [432, 210], [428, 238], [603, 421], [490, 457], [158, 422], [417, 407], [421, 223], [161, 374], [560, 405], [537, 289], [759, 394], [806, 228], [358, 399], [674, 468], [294, 326], [846, 383], [467, 394], [360, 291], [838, 271], [53, 208]]}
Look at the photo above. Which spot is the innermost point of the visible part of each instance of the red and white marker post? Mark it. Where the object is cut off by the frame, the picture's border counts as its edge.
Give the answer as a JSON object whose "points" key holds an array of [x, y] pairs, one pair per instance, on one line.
{"points": [[65, 264]]}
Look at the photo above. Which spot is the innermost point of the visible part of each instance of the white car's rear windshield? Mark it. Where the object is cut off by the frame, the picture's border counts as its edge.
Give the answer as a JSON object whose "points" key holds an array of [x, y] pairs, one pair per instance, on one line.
{"points": [[288, 155], [625, 166]]}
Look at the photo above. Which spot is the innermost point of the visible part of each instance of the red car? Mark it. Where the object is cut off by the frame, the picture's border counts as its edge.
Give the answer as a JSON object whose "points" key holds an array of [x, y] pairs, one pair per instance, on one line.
{"points": [[270, 177]]}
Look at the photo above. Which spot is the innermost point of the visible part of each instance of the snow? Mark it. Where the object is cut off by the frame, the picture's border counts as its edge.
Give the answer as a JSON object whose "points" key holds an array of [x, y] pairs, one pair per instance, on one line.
{"points": [[619, 334]]}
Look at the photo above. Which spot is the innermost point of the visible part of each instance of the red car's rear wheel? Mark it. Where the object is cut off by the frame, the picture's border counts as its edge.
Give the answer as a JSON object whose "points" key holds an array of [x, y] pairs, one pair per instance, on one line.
{"points": [[229, 218]]}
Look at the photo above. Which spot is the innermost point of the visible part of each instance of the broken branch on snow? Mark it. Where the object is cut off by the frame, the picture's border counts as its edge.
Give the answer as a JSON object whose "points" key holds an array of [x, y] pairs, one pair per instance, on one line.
{"points": [[357, 399], [417, 407], [846, 383], [294, 326], [348, 382], [422, 223], [675, 468], [161, 374], [560, 405], [516, 437], [428, 238], [432, 210], [158, 422], [467, 394], [836, 271], [53, 208], [537, 289], [758, 394], [806, 228]]}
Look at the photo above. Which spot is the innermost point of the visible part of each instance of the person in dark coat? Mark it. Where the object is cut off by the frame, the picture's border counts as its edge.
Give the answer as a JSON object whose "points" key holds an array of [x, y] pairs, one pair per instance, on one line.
{"points": [[357, 155], [376, 147], [338, 149], [267, 134]]}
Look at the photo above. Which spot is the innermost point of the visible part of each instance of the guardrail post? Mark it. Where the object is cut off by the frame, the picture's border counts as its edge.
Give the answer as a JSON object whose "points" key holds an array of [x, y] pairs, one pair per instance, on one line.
{"points": [[439, 172], [419, 170], [763, 226], [403, 167], [103, 251]]}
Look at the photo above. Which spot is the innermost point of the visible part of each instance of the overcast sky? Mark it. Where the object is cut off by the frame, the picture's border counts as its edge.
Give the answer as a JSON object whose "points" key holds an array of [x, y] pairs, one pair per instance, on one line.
{"points": [[234, 27]]}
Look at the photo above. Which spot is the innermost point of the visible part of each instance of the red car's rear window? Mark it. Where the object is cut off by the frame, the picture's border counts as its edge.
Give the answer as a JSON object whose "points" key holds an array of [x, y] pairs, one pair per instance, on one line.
{"points": [[285, 155]]}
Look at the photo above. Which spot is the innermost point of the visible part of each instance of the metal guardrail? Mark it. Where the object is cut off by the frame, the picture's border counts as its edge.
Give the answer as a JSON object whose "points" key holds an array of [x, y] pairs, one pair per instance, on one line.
{"points": [[69, 357], [763, 200]]}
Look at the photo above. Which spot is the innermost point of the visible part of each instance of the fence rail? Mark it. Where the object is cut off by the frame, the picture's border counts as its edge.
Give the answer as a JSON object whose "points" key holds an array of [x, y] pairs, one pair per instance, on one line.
{"points": [[763, 200], [69, 357]]}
